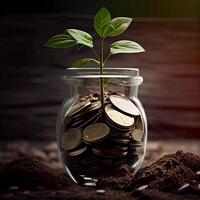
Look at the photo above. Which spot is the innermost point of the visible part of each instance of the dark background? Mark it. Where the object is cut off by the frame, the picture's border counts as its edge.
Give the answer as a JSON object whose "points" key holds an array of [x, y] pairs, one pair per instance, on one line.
{"points": [[134, 8], [30, 78]]}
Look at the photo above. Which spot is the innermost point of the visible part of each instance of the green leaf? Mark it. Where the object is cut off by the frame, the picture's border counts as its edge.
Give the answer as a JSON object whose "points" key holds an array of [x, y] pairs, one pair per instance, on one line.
{"points": [[84, 61], [106, 81], [102, 22], [119, 24], [81, 37], [125, 46], [60, 41]]}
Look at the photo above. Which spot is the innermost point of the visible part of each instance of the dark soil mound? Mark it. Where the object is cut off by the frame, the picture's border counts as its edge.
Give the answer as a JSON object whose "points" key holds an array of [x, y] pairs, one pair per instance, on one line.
{"points": [[161, 180], [169, 173], [29, 173]]}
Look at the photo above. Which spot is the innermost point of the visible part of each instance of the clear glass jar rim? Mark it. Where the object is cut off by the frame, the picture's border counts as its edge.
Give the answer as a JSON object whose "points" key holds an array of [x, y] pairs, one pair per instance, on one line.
{"points": [[95, 73]]}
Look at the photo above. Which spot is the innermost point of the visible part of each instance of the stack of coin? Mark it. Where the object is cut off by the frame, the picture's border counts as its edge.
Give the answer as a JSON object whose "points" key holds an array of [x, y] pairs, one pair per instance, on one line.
{"points": [[84, 113], [96, 137], [136, 145], [121, 116], [72, 142], [118, 120]]}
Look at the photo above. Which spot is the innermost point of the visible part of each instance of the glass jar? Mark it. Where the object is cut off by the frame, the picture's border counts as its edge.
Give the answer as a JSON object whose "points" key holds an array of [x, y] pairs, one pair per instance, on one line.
{"points": [[96, 133]]}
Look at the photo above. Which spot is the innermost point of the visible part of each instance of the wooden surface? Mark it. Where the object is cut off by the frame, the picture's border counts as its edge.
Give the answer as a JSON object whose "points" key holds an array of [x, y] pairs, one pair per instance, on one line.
{"points": [[32, 90]]}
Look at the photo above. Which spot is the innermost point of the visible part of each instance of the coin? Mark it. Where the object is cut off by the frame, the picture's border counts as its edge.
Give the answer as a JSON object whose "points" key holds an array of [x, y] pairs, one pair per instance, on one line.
{"points": [[95, 132], [198, 172], [118, 118], [124, 104], [184, 188], [120, 140], [109, 152], [107, 145], [77, 108], [137, 135], [99, 118], [140, 188], [88, 115], [122, 148], [100, 191], [77, 123], [71, 138], [120, 134], [117, 127], [135, 144], [77, 152], [93, 107]]}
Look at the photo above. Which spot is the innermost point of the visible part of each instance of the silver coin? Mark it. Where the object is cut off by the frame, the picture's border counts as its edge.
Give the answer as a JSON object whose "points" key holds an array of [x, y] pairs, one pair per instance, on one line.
{"points": [[124, 104], [198, 172], [119, 118], [100, 191], [77, 123], [184, 188], [120, 134], [117, 126], [137, 135], [77, 108], [109, 152], [71, 138], [85, 115], [122, 148], [77, 152], [93, 107], [140, 188], [133, 145], [120, 140], [95, 132]]}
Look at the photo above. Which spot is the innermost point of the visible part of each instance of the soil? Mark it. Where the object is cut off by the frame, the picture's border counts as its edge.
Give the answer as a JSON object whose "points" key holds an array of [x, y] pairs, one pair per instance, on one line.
{"points": [[28, 178]]}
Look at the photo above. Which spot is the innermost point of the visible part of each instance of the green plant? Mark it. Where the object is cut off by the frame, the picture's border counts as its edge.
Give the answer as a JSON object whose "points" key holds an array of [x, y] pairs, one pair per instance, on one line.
{"points": [[104, 27]]}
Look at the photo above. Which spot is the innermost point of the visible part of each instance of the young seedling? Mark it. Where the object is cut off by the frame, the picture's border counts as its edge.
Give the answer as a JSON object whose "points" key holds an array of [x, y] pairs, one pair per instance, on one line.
{"points": [[105, 27]]}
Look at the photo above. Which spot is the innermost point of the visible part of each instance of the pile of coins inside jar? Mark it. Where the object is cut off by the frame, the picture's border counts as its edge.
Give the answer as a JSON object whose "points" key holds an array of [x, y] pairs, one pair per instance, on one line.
{"points": [[96, 139]]}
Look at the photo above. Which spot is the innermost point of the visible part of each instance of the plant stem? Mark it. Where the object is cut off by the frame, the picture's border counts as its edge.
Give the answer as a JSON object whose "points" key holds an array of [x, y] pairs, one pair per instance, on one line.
{"points": [[95, 53], [107, 58], [101, 65], [101, 56]]}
